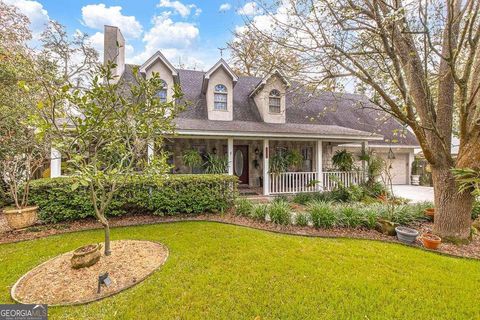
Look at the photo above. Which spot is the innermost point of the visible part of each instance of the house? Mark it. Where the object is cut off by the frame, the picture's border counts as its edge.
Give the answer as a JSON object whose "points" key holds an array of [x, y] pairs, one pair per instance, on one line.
{"points": [[251, 120]]}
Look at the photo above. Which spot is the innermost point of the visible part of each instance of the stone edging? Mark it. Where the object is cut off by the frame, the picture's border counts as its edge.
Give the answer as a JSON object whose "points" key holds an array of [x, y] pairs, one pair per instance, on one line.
{"points": [[14, 287]]}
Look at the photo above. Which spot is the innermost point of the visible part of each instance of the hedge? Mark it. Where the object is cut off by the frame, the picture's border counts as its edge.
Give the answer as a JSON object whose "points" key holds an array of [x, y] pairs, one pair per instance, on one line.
{"points": [[166, 195]]}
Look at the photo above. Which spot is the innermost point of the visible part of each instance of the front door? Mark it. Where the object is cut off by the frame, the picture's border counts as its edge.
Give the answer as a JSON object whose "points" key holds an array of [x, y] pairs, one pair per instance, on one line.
{"points": [[240, 163]]}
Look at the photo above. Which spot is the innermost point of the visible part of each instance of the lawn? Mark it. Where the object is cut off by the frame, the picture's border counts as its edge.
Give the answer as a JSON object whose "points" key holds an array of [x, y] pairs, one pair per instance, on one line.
{"points": [[218, 271]]}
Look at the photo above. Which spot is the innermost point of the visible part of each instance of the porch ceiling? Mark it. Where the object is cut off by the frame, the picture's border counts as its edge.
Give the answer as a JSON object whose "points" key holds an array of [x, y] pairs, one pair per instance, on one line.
{"points": [[200, 127]]}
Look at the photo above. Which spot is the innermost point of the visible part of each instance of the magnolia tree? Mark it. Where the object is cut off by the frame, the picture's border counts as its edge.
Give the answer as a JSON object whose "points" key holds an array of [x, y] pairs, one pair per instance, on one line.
{"points": [[419, 61], [104, 131]]}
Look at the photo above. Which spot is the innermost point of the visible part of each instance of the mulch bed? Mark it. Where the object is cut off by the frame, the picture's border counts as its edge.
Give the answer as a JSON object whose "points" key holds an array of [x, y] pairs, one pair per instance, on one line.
{"points": [[471, 250], [55, 282]]}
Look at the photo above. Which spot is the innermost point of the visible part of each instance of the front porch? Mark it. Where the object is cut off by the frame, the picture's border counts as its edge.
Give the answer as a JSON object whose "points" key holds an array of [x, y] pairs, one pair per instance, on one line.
{"points": [[257, 162], [252, 161]]}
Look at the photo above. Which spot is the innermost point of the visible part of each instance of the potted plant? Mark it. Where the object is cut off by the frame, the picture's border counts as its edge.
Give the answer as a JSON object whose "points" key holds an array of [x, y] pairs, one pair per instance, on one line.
{"points": [[406, 235], [22, 154], [415, 178], [86, 256], [192, 158], [430, 241], [430, 212], [216, 164], [343, 160]]}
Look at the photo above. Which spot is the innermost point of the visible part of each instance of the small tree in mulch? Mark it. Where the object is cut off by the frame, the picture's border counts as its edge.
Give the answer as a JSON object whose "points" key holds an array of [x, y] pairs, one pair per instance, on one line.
{"points": [[106, 132]]}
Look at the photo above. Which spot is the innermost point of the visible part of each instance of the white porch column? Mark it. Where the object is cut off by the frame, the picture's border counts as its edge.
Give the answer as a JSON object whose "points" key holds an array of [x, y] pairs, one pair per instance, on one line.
{"points": [[319, 165], [411, 158], [150, 151], [55, 163], [364, 163], [230, 156], [266, 168]]}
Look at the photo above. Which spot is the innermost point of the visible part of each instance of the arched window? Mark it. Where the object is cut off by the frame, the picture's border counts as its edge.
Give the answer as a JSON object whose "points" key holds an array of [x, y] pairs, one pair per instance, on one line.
{"points": [[274, 101], [220, 97], [162, 93]]}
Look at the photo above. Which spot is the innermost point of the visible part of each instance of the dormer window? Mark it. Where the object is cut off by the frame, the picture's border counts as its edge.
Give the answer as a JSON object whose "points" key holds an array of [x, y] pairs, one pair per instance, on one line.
{"points": [[220, 97], [274, 101], [162, 93]]}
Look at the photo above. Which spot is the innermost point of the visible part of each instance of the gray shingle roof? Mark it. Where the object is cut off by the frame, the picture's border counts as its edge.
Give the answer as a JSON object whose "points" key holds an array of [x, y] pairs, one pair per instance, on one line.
{"points": [[279, 130], [320, 113]]}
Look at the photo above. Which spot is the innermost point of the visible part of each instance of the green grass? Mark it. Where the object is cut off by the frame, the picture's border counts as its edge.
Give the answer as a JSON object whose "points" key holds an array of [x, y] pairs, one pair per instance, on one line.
{"points": [[220, 271]]}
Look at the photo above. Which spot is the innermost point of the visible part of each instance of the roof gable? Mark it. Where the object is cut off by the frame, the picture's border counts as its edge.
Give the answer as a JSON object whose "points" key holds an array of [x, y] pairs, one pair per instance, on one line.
{"points": [[156, 57], [262, 83], [220, 64]]}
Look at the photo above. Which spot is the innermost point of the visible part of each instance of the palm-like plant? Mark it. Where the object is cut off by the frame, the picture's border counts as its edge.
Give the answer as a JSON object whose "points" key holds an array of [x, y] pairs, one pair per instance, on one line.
{"points": [[216, 164], [343, 160], [192, 158]]}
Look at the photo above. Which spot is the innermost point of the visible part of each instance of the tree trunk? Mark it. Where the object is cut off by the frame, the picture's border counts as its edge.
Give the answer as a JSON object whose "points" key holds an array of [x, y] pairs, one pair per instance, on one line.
{"points": [[106, 227], [452, 209]]}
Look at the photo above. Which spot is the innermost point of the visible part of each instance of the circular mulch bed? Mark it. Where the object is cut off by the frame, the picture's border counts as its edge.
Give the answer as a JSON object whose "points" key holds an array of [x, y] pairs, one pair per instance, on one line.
{"points": [[55, 282]]}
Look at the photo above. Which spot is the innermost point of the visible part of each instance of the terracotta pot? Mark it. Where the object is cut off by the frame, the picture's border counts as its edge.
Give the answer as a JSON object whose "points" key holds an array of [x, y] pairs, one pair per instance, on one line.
{"points": [[86, 256], [21, 218], [406, 235], [430, 212], [430, 241]]}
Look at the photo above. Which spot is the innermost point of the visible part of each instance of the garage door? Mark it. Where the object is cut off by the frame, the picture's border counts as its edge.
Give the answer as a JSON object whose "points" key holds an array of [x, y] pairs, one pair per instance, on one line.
{"points": [[399, 169]]}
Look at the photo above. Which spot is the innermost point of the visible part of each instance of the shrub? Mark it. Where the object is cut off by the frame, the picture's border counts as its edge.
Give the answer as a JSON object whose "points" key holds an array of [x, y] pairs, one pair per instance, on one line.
{"points": [[301, 219], [369, 217], [475, 209], [259, 212], [303, 198], [343, 160], [280, 198], [350, 216], [322, 214], [243, 207], [170, 194], [279, 212], [306, 197], [355, 193]]}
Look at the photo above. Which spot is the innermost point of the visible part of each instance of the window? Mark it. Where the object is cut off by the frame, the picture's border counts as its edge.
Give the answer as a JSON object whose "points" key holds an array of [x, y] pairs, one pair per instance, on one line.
{"points": [[162, 94], [274, 101], [220, 97]]}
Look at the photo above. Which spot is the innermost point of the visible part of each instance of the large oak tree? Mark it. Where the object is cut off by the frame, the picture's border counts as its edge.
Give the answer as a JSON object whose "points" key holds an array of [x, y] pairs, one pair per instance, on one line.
{"points": [[421, 58]]}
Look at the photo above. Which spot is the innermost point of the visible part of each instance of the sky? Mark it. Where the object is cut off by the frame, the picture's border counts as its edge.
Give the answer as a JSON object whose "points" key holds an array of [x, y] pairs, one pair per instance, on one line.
{"points": [[185, 31]]}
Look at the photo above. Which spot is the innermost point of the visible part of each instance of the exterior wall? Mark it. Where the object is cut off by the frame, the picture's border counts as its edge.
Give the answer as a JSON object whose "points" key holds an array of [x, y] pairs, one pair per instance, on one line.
{"points": [[165, 74], [220, 76], [262, 100]]}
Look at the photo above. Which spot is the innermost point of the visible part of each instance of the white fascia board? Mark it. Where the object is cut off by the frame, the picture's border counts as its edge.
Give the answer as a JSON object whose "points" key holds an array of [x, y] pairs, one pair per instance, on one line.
{"points": [[275, 135], [393, 146]]}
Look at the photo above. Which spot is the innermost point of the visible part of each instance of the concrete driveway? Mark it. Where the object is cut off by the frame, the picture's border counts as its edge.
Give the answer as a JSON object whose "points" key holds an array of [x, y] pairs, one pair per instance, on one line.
{"points": [[414, 193]]}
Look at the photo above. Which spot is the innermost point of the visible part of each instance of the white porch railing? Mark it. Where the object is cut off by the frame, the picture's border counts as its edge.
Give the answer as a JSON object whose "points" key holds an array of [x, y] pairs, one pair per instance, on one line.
{"points": [[331, 179], [296, 182], [292, 182]]}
